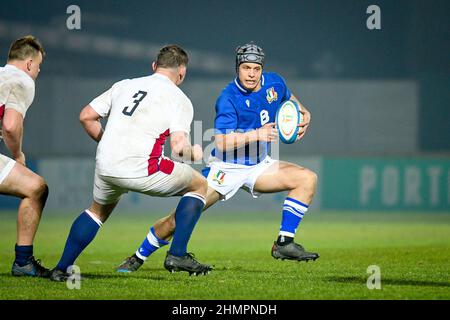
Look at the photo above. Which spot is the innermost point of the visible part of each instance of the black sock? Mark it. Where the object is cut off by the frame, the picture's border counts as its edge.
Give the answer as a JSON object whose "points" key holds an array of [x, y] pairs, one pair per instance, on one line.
{"points": [[284, 240], [138, 259]]}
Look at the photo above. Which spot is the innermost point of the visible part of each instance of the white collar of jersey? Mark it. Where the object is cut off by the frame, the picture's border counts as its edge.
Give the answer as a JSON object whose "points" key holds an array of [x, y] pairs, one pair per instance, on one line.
{"points": [[238, 84], [10, 66], [163, 76]]}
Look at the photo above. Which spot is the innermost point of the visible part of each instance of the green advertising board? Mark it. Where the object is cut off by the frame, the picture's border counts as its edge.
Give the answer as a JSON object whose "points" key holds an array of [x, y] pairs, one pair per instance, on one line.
{"points": [[386, 183]]}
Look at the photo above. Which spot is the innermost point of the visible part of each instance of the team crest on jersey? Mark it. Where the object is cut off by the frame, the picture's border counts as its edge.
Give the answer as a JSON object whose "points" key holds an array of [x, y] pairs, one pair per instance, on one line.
{"points": [[272, 95], [219, 177]]}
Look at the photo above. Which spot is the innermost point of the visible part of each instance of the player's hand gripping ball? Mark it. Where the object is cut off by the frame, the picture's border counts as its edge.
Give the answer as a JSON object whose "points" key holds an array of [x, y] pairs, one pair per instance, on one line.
{"points": [[287, 120]]}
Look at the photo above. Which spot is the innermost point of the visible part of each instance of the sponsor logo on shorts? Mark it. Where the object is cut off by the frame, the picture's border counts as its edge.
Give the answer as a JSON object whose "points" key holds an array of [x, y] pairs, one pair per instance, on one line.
{"points": [[219, 177]]}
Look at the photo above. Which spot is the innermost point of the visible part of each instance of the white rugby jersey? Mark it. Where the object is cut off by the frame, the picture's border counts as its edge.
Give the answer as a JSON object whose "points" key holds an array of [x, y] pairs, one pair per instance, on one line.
{"points": [[16, 90], [142, 113]]}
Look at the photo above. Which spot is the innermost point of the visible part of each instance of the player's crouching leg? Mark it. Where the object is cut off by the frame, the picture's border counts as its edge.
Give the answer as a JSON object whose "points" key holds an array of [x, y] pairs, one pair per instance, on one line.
{"points": [[187, 214], [29, 215], [302, 184]]}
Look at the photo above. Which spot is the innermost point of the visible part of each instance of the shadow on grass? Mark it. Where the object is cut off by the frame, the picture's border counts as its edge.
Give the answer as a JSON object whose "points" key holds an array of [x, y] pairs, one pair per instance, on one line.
{"points": [[400, 282], [124, 276], [96, 276], [141, 275]]}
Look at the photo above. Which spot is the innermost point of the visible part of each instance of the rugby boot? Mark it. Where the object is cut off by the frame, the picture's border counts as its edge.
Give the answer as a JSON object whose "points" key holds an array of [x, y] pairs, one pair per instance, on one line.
{"points": [[32, 269], [59, 275], [292, 251], [186, 263], [130, 264]]}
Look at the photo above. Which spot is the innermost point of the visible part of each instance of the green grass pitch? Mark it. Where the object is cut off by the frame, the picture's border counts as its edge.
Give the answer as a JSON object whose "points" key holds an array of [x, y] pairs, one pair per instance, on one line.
{"points": [[412, 251]]}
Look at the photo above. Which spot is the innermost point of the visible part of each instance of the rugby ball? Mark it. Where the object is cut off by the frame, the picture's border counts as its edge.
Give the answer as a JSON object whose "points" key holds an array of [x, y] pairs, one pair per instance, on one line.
{"points": [[287, 120]]}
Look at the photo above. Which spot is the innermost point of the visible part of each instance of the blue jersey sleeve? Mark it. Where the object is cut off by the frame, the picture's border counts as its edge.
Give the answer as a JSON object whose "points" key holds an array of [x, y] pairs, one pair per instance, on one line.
{"points": [[226, 116]]}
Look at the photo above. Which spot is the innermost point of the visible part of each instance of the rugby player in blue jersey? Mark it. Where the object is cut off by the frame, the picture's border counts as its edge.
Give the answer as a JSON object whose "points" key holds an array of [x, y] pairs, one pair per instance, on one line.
{"points": [[244, 128]]}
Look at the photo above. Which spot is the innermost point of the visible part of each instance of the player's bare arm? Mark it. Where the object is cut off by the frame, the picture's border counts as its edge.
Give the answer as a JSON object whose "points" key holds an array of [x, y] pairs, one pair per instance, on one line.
{"points": [[182, 148], [231, 141], [12, 130], [90, 121]]}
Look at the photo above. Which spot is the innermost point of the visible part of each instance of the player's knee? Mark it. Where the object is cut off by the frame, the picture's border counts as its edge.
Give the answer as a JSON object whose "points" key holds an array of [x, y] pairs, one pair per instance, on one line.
{"points": [[311, 180], [199, 184], [39, 189], [304, 179], [45, 194], [203, 187]]}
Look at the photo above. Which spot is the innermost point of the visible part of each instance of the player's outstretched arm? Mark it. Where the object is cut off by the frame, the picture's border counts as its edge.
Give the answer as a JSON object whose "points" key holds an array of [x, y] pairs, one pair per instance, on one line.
{"points": [[12, 131], [90, 120], [182, 148]]}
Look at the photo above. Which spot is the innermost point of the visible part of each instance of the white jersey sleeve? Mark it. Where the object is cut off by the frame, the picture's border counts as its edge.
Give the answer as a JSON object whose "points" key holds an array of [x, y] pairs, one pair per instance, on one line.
{"points": [[102, 104], [20, 98], [184, 116], [16, 89]]}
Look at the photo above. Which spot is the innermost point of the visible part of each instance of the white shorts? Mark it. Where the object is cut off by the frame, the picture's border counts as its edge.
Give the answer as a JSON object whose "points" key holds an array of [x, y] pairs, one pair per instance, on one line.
{"points": [[227, 178], [6, 165], [108, 190]]}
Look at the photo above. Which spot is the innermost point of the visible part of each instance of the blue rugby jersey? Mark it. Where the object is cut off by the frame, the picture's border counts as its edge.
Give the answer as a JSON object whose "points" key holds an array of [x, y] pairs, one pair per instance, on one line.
{"points": [[239, 110]]}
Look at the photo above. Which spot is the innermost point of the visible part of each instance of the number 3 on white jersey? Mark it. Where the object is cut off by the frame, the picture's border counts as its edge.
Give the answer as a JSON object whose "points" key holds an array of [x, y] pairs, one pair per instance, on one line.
{"points": [[264, 115]]}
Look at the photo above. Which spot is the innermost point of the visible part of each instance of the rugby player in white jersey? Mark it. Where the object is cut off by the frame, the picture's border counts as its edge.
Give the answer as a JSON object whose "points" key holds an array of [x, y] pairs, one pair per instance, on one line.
{"points": [[142, 113], [17, 79]]}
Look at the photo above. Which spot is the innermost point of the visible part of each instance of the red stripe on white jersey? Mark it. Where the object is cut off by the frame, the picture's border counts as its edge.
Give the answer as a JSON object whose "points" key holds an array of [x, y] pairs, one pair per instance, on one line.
{"points": [[2, 111], [155, 162]]}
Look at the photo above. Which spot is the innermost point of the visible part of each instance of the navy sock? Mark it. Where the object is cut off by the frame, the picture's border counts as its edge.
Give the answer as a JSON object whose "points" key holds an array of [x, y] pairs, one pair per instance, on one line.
{"points": [[187, 214], [23, 254], [83, 231]]}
